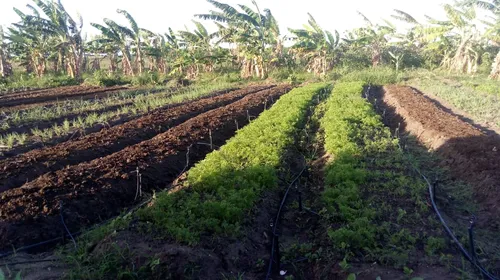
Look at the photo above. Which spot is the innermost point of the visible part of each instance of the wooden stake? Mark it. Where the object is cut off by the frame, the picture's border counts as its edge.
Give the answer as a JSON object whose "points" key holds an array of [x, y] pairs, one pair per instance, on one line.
{"points": [[210, 135]]}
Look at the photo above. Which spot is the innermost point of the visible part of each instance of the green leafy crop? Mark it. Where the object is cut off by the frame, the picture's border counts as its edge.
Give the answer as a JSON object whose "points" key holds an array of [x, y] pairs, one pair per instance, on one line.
{"points": [[223, 187]]}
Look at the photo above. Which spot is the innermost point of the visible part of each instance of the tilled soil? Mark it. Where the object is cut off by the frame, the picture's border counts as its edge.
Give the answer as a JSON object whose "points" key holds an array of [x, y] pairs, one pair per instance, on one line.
{"points": [[26, 99], [26, 167], [472, 155], [102, 188]]}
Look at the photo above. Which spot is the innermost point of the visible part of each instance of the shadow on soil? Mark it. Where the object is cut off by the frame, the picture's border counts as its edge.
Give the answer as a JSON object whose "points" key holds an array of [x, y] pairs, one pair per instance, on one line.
{"points": [[467, 173]]}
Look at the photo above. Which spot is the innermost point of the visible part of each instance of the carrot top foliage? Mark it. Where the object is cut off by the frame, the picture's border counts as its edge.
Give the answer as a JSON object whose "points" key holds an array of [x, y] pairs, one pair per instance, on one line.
{"points": [[372, 200], [227, 183]]}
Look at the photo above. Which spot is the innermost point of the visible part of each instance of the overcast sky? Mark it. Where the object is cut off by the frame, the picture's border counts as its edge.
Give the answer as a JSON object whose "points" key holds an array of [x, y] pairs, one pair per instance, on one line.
{"points": [[157, 16]]}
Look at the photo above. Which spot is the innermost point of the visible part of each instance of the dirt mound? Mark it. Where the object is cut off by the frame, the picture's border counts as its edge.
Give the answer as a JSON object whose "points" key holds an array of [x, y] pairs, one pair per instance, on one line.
{"points": [[102, 188], [26, 167], [471, 154]]}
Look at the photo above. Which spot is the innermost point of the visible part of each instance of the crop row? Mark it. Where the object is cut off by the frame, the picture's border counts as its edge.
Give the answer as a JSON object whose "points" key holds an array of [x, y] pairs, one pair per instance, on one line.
{"points": [[139, 105], [227, 183], [375, 207]]}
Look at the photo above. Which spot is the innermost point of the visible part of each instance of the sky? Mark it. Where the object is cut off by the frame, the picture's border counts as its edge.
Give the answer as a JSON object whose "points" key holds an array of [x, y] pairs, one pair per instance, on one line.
{"points": [[158, 16]]}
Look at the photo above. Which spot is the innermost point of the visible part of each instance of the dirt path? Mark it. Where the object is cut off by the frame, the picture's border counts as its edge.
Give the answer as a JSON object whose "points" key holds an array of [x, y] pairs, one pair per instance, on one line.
{"points": [[471, 154], [28, 166], [102, 188], [27, 99]]}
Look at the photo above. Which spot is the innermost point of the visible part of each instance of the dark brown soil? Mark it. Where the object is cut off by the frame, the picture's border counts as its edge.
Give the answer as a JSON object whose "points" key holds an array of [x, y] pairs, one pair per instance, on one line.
{"points": [[26, 99], [26, 167], [102, 188], [472, 155]]}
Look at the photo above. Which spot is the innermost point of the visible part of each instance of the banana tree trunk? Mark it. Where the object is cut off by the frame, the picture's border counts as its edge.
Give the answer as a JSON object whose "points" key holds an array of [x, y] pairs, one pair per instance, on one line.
{"points": [[113, 65], [5, 67], [127, 64], [139, 61], [460, 62], [495, 70]]}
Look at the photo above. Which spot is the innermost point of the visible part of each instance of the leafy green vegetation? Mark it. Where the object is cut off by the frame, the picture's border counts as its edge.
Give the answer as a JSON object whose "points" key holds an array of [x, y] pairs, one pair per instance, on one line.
{"points": [[225, 185], [374, 76], [372, 200]]}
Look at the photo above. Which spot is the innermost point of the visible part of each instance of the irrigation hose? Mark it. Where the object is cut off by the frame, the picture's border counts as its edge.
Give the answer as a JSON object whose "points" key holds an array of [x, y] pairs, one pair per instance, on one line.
{"points": [[275, 225], [464, 252]]}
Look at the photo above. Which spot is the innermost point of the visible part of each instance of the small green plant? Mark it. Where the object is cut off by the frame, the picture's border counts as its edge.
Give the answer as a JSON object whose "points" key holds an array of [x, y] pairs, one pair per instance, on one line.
{"points": [[344, 264], [408, 271], [434, 245]]}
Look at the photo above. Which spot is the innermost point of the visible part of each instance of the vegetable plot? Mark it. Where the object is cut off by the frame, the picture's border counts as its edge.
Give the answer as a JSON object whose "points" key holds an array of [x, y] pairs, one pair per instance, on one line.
{"points": [[223, 187]]}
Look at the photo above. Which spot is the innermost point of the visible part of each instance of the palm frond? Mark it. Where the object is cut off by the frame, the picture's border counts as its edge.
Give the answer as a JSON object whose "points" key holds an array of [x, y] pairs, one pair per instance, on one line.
{"points": [[403, 16], [130, 19]]}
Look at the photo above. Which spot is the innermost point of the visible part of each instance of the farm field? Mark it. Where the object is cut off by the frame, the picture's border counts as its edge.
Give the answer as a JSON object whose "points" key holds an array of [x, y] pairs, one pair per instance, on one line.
{"points": [[338, 152], [236, 148]]}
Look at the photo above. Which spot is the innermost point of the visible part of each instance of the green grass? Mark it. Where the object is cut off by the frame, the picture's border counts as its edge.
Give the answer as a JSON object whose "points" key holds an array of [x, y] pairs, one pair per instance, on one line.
{"points": [[223, 187], [482, 106], [22, 80], [374, 76], [375, 206]]}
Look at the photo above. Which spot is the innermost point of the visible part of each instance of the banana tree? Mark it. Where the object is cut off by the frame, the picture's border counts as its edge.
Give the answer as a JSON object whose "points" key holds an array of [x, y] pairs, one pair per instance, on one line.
{"points": [[64, 29], [114, 37], [5, 66], [198, 44], [316, 45], [373, 38], [30, 45], [253, 33], [493, 32], [134, 32], [459, 36]]}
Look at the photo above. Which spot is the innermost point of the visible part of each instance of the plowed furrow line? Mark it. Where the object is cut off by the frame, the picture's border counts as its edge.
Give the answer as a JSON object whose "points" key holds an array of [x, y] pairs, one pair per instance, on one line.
{"points": [[26, 167], [54, 95], [102, 188]]}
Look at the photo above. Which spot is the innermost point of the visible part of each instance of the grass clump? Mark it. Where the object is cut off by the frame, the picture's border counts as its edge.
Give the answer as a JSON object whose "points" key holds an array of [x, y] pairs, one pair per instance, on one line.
{"points": [[226, 184], [374, 76]]}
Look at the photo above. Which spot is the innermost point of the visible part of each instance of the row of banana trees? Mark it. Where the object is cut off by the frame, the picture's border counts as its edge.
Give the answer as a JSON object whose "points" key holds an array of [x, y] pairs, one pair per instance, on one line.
{"points": [[249, 39]]}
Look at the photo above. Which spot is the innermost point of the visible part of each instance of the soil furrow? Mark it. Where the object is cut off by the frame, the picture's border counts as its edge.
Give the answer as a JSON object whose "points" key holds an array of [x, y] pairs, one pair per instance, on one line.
{"points": [[472, 155], [28, 166], [102, 188], [62, 93]]}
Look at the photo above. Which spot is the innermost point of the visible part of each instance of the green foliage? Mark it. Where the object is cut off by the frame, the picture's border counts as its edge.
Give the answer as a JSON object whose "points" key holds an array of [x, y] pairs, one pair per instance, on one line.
{"points": [[4, 277], [367, 169], [104, 78], [20, 81], [103, 262], [434, 245], [375, 76], [351, 128], [226, 184]]}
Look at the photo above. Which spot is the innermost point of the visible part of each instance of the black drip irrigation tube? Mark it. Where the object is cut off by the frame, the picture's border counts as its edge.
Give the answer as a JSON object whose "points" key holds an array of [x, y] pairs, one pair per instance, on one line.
{"points": [[471, 257], [275, 254]]}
